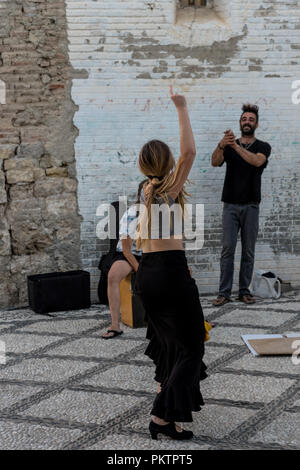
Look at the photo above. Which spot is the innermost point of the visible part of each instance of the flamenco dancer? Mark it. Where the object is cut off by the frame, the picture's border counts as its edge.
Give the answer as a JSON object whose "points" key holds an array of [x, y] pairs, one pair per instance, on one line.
{"points": [[170, 296]]}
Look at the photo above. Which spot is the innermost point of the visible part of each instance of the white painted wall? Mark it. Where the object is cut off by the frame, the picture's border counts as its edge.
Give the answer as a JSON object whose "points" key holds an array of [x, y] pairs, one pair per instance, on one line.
{"points": [[118, 43]]}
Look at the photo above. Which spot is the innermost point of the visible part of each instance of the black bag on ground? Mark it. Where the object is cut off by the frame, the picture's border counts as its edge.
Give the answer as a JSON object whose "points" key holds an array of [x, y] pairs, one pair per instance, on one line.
{"points": [[54, 292]]}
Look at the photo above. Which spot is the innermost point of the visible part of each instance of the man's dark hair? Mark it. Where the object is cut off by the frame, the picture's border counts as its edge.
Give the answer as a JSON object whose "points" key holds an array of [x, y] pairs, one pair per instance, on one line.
{"points": [[250, 108]]}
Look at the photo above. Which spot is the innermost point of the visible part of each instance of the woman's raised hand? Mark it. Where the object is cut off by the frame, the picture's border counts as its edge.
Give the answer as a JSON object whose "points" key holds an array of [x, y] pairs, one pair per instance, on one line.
{"points": [[178, 100]]}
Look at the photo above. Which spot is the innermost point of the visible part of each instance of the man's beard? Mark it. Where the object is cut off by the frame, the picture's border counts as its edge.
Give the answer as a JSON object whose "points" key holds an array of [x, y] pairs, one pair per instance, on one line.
{"points": [[247, 130]]}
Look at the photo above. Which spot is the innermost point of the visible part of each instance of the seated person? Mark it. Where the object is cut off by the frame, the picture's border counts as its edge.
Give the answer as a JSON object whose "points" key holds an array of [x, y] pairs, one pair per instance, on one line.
{"points": [[126, 260]]}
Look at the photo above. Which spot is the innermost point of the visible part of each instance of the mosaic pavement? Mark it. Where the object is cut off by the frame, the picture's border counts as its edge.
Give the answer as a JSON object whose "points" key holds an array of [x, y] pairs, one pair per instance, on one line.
{"points": [[63, 387]]}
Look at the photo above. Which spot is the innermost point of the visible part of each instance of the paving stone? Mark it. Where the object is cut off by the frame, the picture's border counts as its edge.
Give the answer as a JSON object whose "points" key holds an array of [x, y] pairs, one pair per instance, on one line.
{"points": [[26, 436], [255, 317], [83, 407], [295, 328], [280, 364], [51, 370], [209, 310], [125, 385], [283, 430], [232, 334], [19, 315], [212, 353], [214, 421], [70, 326], [134, 332], [4, 326], [12, 393], [130, 377], [133, 442], [94, 347], [18, 344], [279, 306], [243, 387], [141, 357], [130, 333]]}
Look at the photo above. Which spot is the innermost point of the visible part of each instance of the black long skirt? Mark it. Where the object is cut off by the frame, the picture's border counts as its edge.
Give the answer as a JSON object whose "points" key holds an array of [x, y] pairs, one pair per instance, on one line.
{"points": [[176, 332]]}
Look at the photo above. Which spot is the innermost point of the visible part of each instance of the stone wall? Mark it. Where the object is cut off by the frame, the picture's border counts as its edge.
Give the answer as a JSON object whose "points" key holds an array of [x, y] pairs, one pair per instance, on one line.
{"points": [[39, 221]]}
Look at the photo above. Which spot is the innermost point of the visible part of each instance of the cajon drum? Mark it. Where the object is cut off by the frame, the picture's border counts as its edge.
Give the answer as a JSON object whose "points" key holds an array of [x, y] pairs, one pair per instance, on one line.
{"points": [[132, 310]]}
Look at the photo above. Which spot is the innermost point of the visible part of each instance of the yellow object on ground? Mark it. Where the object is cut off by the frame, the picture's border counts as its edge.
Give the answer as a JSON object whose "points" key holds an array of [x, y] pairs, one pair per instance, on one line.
{"points": [[208, 327]]}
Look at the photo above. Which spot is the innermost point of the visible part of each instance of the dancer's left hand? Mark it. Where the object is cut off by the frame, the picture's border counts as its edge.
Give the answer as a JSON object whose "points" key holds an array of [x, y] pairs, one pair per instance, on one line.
{"points": [[178, 100]]}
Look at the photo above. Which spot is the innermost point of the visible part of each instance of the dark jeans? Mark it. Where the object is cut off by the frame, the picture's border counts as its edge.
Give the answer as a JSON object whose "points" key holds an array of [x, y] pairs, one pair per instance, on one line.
{"points": [[237, 217]]}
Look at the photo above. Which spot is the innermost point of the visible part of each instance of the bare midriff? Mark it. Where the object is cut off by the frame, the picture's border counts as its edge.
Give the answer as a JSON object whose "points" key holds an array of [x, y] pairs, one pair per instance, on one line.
{"points": [[162, 245]]}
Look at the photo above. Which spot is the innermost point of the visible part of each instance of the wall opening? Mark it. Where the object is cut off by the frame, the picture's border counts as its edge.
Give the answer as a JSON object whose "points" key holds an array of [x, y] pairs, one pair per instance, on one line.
{"points": [[196, 3], [201, 12]]}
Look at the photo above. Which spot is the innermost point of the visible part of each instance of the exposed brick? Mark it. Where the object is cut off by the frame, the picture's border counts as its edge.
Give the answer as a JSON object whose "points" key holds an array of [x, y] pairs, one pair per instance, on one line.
{"points": [[36, 124]]}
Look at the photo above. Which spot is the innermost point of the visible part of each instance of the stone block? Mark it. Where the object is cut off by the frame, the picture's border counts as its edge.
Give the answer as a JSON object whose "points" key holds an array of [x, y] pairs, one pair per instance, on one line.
{"points": [[7, 151], [35, 150], [48, 187], [70, 185], [20, 192], [20, 176], [5, 242], [3, 195], [58, 171], [61, 208], [19, 164]]}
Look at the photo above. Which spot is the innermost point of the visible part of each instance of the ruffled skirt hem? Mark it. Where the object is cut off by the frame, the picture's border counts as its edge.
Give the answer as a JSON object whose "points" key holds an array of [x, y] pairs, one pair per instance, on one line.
{"points": [[177, 405]]}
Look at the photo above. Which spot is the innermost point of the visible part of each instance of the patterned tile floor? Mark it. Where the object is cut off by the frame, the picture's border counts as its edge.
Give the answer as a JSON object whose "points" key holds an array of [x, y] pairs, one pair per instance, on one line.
{"points": [[63, 387]]}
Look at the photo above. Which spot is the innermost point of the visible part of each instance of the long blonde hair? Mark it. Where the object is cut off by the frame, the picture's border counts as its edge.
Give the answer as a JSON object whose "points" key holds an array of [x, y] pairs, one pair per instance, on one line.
{"points": [[157, 163]]}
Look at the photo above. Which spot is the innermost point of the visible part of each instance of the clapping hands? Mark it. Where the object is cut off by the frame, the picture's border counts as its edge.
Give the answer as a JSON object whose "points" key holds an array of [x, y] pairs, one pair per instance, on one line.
{"points": [[228, 139]]}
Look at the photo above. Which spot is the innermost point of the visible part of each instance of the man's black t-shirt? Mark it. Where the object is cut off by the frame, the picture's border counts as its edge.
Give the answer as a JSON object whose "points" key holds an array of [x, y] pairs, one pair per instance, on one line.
{"points": [[243, 181]]}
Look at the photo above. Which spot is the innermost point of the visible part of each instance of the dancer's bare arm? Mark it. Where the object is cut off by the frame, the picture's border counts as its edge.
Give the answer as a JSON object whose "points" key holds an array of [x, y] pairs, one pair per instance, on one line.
{"points": [[187, 144]]}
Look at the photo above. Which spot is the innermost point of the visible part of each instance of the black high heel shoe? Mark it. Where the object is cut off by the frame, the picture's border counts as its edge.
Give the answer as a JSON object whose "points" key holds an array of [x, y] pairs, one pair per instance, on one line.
{"points": [[168, 430]]}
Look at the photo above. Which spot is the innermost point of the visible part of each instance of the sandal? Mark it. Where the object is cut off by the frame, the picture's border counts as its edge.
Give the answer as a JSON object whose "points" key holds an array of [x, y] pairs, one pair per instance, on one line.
{"points": [[115, 333]]}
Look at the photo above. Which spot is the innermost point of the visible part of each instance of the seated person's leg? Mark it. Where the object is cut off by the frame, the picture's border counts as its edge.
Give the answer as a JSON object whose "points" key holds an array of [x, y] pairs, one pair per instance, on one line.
{"points": [[118, 271]]}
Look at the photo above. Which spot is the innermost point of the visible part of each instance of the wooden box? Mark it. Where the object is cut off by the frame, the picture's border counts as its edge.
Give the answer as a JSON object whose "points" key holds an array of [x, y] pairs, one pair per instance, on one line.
{"points": [[132, 310]]}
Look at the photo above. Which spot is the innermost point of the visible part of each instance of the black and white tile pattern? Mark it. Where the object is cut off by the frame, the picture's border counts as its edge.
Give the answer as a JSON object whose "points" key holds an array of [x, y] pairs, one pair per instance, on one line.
{"points": [[63, 387]]}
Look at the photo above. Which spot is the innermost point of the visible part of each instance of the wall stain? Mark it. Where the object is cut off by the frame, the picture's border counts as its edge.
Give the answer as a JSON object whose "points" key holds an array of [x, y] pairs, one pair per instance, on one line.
{"points": [[270, 11], [218, 54]]}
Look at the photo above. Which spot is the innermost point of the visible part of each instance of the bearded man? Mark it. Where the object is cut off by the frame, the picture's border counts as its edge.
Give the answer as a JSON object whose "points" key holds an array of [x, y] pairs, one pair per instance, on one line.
{"points": [[245, 158]]}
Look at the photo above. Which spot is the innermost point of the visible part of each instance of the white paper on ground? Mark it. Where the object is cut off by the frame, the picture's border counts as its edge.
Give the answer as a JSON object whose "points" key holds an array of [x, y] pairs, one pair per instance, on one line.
{"points": [[246, 338]]}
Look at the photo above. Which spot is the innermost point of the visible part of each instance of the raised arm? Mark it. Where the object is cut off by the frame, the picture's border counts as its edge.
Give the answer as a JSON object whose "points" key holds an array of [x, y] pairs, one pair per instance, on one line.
{"points": [[187, 144]]}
